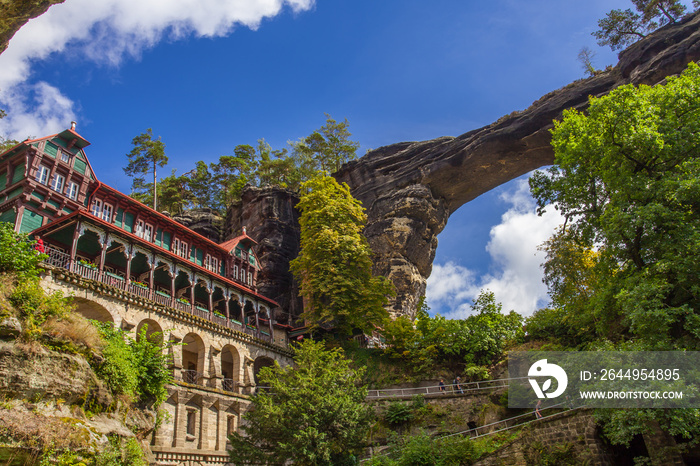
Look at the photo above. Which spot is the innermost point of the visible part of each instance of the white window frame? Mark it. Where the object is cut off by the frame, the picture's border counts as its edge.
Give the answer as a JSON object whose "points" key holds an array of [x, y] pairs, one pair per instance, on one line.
{"points": [[107, 212], [96, 207], [65, 157], [58, 181], [72, 190], [250, 278], [42, 174], [148, 232], [183, 249], [235, 272]]}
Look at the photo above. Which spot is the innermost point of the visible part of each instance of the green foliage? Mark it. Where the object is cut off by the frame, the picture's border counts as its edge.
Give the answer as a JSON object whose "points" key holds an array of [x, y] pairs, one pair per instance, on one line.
{"points": [[312, 414], [423, 450], [334, 265], [621, 425], [624, 271], [398, 413], [152, 363], [326, 149], [136, 368], [621, 28], [118, 368], [537, 454], [628, 181], [34, 306], [480, 339], [146, 156], [17, 253], [120, 452]]}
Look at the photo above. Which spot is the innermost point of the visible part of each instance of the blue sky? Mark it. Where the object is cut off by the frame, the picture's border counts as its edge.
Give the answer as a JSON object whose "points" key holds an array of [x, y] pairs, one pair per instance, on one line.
{"points": [[208, 75]]}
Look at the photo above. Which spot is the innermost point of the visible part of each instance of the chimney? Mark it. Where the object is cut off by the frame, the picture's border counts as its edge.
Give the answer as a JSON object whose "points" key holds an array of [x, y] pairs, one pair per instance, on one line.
{"points": [[244, 231], [72, 125]]}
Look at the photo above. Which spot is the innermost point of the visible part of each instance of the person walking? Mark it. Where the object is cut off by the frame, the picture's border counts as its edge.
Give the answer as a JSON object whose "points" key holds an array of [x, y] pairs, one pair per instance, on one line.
{"points": [[441, 386], [538, 414]]}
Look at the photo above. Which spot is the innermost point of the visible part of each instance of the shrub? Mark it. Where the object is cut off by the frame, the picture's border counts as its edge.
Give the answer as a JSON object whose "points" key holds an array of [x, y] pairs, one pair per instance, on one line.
{"points": [[136, 368], [398, 413], [35, 307], [119, 365], [17, 253]]}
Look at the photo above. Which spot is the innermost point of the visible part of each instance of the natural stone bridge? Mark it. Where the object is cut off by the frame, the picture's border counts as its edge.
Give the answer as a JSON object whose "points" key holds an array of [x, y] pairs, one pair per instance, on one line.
{"points": [[411, 188], [215, 367]]}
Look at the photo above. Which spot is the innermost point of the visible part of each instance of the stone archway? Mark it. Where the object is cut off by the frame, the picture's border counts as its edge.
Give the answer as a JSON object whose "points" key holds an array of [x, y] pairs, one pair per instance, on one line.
{"points": [[153, 331], [92, 310], [193, 351], [260, 362]]}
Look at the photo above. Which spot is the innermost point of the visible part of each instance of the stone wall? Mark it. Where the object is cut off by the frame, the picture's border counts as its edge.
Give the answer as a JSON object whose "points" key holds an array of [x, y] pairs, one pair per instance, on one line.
{"points": [[575, 427]]}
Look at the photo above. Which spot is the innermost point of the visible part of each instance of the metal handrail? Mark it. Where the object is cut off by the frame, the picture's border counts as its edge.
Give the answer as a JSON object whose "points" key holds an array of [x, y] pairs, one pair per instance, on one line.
{"points": [[437, 389]]}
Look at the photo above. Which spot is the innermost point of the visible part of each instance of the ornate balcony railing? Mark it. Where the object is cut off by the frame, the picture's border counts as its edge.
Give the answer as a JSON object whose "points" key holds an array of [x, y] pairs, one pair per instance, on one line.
{"points": [[61, 259], [192, 377]]}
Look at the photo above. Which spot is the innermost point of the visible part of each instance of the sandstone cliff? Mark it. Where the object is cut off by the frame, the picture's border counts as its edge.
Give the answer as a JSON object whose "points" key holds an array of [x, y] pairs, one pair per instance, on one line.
{"points": [[15, 13], [270, 218]]}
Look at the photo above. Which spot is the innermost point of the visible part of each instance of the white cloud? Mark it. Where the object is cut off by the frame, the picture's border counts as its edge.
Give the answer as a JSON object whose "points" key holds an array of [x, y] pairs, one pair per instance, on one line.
{"points": [[107, 32], [516, 277]]}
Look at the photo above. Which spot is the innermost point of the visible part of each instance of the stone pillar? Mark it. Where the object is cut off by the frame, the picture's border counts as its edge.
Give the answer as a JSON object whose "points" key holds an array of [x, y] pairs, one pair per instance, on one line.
{"points": [[215, 374], [180, 422], [173, 276], [227, 309], [203, 443]]}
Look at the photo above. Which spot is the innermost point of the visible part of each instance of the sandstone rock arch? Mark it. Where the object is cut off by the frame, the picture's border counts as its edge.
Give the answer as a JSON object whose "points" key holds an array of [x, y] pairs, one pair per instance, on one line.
{"points": [[411, 188]]}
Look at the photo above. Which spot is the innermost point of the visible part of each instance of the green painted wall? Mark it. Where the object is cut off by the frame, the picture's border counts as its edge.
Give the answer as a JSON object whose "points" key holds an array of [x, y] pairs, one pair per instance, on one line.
{"points": [[18, 174], [30, 221], [3, 181], [8, 216], [166, 240], [51, 149], [128, 222], [79, 166]]}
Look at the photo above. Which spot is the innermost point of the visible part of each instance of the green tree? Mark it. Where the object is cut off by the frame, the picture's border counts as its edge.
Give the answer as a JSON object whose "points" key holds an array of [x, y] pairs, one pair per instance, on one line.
{"points": [[201, 186], [334, 265], [627, 179], [174, 194], [144, 158], [326, 149], [313, 413], [621, 28]]}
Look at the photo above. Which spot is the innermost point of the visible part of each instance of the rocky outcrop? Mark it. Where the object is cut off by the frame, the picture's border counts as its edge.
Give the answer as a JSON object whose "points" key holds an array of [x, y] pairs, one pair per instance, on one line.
{"points": [[15, 13], [204, 221], [410, 189], [270, 218]]}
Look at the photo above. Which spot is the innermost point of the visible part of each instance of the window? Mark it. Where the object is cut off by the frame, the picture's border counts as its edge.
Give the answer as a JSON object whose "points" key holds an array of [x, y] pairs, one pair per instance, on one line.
{"points": [[107, 213], [230, 425], [42, 174], [139, 229], [250, 278], [180, 248], [235, 272], [148, 232], [191, 422], [57, 182], [211, 263], [96, 208], [65, 157], [72, 191]]}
